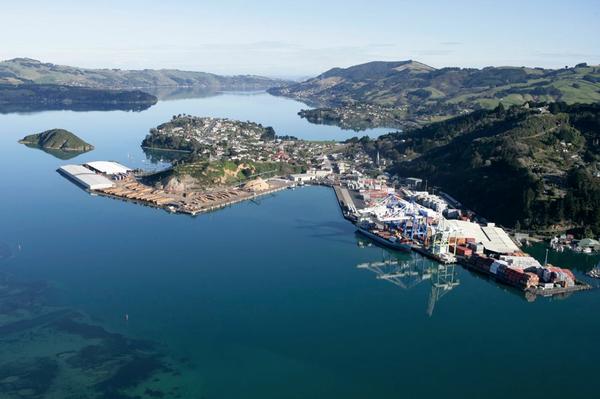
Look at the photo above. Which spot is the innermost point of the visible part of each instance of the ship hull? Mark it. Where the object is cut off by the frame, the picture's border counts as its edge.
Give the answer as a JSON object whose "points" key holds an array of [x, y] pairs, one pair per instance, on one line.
{"points": [[386, 243]]}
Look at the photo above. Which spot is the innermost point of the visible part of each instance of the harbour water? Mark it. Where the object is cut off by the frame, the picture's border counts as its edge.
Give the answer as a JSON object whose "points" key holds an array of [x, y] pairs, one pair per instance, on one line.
{"points": [[260, 300]]}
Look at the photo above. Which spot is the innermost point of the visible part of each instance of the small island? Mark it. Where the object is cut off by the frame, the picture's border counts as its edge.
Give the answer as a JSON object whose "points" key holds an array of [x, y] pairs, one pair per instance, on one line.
{"points": [[58, 142]]}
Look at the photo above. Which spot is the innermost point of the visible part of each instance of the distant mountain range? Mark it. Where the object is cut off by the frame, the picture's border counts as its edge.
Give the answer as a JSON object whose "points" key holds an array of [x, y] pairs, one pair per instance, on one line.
{"points": [[415, 92], [30, 97], [26, 70]]}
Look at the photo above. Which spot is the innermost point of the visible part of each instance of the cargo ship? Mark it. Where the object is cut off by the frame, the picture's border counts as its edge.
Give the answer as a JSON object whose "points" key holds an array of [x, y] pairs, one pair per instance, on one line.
{"points": [[385, 238], [526, 274]]}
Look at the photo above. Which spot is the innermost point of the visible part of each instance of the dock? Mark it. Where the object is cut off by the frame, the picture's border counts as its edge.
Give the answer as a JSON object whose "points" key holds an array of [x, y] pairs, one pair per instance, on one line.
{"points": [[191, 203], [579, 285], [490, 236], [113, 180], [346, 202]]}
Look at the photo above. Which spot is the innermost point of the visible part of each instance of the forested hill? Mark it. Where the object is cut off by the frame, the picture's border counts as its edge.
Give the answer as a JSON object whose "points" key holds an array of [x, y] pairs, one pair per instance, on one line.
{"points": [[535, 166], [415, 92], [26, 70]]}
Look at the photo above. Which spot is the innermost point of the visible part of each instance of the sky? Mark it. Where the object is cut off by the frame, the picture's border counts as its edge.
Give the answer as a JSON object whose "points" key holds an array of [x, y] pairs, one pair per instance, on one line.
{"points": [[300, 38]]}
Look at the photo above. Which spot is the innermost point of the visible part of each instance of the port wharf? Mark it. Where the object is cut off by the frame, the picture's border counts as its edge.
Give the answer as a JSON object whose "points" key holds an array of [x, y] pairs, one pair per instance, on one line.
{"points": [[523, 279], [110, 179], [579, 285], [191, 203], [349, 204]]}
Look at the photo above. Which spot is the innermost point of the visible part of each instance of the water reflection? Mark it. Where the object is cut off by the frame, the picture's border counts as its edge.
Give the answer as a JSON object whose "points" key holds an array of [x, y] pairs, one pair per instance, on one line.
{"points": [[57, 153], [181, 93], [161, 157], [407, 273], [13, 108]]}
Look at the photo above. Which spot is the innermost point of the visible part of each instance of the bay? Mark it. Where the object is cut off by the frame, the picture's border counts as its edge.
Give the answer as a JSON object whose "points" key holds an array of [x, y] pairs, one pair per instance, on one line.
{"points": [[264, 299]]}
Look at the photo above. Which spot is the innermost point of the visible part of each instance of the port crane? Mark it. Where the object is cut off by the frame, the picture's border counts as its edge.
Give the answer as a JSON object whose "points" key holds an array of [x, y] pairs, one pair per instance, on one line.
{"points": [[443, 281], [404, 274], [408, 274]]}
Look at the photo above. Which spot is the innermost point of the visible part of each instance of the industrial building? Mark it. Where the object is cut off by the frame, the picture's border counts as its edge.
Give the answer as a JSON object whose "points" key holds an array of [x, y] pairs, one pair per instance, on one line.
{"points": [[85, 177], [493, 238], [108, 168], [309, 176]]}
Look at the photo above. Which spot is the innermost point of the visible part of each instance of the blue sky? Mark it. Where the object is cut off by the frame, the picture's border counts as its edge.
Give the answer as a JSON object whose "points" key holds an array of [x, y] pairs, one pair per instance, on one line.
{"points": [[300, 38]]}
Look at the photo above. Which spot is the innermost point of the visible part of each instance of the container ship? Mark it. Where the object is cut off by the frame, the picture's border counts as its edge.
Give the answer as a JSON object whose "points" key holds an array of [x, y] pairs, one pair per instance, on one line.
{"points": [[384, 237], [525, 273]]}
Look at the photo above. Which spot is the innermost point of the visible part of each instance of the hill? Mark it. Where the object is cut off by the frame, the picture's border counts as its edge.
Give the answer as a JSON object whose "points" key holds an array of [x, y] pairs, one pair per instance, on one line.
{"points": [[58, 142], [411, 92], [26, 70], [532, 166]]}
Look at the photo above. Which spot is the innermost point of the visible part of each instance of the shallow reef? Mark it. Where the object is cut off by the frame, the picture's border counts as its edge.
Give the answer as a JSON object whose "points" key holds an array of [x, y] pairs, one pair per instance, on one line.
{"points": [[53, 352]]}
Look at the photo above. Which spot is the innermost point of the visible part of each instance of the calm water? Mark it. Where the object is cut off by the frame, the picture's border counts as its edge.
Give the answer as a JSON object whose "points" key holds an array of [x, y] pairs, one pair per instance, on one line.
{"points": [[265, 299]]}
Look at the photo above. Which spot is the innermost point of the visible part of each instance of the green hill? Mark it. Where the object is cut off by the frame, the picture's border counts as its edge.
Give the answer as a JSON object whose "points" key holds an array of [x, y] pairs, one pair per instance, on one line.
{"points": [[26, 70], [538, 166], [57, 139], [423, 94]]}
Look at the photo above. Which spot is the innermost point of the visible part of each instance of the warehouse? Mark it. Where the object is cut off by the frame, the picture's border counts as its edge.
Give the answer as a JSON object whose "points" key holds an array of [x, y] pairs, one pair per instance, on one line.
{"points": [[85, 177], [108, 168], [493, 238]]}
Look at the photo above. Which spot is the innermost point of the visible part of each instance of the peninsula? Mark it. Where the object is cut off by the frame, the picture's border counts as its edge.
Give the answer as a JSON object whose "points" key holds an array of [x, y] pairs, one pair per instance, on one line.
{"points": [[28, 97], [220, 161]]}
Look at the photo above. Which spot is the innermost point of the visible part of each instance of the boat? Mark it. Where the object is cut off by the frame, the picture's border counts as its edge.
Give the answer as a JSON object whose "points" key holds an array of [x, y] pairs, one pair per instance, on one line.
{"points": [[595, 272], [390, 242]]}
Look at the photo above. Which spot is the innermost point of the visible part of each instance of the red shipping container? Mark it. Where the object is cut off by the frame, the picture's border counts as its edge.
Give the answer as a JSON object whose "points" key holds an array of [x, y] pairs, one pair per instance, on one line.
{"points": [[464, 251]]}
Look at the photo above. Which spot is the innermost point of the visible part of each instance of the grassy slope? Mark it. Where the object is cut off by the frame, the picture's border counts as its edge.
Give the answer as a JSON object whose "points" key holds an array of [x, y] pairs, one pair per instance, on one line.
{"points": [[447, 91], [57, 139], [23, 70]]}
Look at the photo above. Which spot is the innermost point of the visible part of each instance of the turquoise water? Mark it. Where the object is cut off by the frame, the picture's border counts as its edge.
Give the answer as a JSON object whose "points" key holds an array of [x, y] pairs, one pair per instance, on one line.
{"points": [[265, 298]]}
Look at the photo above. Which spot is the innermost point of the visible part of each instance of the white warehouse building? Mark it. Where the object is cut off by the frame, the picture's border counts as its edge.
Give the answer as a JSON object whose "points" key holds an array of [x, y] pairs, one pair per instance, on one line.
{"points": [[85, 177], [108, 167]]}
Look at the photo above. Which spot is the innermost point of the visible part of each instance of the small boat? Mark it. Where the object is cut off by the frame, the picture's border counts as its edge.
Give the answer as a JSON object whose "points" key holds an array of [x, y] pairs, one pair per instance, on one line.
{"points": [[595, 272]]}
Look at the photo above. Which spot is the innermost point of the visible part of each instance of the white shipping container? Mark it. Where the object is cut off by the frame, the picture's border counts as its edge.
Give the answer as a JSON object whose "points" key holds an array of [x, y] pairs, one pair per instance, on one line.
{"points": [[548, 286], [494, 268]]}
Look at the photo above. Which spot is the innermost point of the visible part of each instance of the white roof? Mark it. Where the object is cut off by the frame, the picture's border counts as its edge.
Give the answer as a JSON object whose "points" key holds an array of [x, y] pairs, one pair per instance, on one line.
{"points": [[108, 167], [86, 177], [500, 241], [493, 238]]}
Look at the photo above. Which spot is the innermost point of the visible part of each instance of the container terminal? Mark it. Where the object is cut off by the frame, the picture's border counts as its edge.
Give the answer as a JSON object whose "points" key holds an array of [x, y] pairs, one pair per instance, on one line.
{"points": [[402, 219], [405, 219], [114, 180]]}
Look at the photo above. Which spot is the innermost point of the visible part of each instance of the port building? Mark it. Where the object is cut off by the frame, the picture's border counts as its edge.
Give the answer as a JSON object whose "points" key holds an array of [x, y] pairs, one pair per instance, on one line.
{"points": [[85, 177], [493, 238], [108, 168]]}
